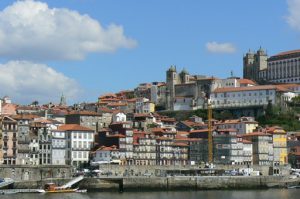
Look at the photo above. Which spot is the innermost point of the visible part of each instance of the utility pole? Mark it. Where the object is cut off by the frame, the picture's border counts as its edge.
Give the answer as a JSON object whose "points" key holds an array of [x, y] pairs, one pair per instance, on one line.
{"points": [[210, 141]]}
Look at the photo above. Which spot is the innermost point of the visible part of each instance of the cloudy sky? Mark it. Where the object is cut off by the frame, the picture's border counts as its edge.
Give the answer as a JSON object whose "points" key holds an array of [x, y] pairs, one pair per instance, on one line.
{"points": [[84, 48]]}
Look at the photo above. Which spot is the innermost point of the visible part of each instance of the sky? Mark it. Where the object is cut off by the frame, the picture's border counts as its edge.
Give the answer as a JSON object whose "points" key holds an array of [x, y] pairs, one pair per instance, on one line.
{"points": [[85, 48]]}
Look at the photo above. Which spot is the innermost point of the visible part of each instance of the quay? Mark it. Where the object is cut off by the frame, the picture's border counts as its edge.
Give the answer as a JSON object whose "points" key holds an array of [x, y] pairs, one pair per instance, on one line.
{"points": [[107, 183]]}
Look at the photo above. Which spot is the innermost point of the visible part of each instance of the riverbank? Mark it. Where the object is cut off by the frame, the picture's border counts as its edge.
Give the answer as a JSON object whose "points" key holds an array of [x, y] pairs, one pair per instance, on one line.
{"points": [[170, 183]]}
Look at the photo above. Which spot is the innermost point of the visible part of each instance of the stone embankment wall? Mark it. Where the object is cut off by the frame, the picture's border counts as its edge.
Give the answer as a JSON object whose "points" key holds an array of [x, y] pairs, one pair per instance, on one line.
{"points": [[34, 173], [169, 183], [192, 183]]}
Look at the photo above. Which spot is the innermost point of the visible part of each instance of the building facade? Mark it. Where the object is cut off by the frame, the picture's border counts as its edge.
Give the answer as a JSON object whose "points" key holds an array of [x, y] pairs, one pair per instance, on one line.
{"points": [[283, 67]]}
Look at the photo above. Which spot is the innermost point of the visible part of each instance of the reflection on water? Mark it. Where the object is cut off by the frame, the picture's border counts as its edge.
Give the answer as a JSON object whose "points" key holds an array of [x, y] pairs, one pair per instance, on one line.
{"points": [[244, 194]]}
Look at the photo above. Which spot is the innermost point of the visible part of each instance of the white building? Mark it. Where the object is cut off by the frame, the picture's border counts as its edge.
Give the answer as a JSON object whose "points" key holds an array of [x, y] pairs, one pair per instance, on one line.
{"points": [[80, 141], [118, 117], [59, 147], [250, 96]]}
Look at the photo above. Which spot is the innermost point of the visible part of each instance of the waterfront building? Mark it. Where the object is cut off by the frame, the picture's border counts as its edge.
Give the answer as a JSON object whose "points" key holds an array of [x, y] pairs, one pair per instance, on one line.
{"points": [[198, 151], [59, 147], [244, 151], [144, 148], [225, 146], [23, 133], [279, 138], [262, 144], [80, 141], [123, 132], [9, 140], [106, 155]]}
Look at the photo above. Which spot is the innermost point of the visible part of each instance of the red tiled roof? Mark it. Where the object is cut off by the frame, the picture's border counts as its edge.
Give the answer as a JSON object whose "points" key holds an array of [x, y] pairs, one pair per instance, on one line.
{"points": [[250, 88], [227, 130], [108, 95], [246, 81], [200, 131], [24, 117], [164, 138], [256, 134], [117, 136], [168, 119], [73, 127], [180, 144], [288, 52]]}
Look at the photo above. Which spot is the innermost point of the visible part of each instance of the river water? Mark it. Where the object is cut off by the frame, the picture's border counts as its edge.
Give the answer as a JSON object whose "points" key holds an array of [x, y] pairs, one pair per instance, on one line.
{"points": [[241, 194]]}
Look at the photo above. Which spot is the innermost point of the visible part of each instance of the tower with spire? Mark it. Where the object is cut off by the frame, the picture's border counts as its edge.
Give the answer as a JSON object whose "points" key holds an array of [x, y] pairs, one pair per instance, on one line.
{"points": [[254, 63], [63, 101]]}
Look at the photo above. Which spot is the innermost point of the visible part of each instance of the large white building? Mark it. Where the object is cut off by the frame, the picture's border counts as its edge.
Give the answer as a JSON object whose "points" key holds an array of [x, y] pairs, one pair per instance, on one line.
{"points": [[79, 141], [250, 96], [283, 67]]}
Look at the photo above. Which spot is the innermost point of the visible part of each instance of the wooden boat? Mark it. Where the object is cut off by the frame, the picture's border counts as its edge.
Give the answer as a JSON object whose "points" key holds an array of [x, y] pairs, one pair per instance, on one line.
{"points": [[52, 188]]}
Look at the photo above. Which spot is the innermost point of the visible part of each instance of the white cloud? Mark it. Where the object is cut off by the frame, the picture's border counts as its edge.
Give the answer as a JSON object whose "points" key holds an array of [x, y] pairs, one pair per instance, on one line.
{"points": [[25, 82], [30, 30], [293, 19], [215, 47]]}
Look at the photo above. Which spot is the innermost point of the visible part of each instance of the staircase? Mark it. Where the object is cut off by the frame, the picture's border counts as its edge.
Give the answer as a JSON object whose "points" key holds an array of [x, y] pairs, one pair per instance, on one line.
{"points": [[72, 182], [6, 182]]}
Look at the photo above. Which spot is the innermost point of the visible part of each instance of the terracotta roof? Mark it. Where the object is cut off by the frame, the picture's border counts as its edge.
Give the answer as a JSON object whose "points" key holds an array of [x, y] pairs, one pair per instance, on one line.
{"points": [[227, 130], [116, 104], [157, 130], [256, 134], [180, 144], [108, 95], [106, 148], [142, 115], [73, 127], [164, 138], [24, 117], [168, 119], [117, 136], [289, 86], [90, 113], [250, 88], [288, 52], [200, 131], [276, 130], [246, 81], [192, 124]]}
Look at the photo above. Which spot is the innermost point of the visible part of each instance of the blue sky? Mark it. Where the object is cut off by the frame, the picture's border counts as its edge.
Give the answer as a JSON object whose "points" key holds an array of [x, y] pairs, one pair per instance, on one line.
{"points": [[156, 34]]}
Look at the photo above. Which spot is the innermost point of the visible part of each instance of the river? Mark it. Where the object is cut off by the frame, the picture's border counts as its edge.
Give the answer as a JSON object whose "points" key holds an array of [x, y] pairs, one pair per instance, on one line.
{"points": [[241, 194]]}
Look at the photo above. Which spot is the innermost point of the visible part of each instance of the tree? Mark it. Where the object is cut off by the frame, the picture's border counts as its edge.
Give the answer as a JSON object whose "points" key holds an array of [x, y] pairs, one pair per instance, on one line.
{"points": [[35, 103]]}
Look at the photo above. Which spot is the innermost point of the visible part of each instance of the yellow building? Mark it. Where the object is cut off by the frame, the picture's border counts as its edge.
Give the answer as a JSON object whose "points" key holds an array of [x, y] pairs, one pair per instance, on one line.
{"points": [[279, 145]]}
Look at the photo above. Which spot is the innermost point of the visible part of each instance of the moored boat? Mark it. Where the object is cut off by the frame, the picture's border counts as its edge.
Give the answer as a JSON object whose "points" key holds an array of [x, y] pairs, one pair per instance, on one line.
{"points": [[52, 188]]}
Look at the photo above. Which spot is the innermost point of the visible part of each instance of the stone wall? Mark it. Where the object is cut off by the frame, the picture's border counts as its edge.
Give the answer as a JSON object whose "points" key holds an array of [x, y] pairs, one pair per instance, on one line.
{"points": [[30, 173]]}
